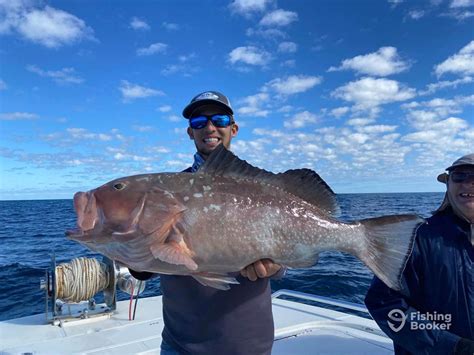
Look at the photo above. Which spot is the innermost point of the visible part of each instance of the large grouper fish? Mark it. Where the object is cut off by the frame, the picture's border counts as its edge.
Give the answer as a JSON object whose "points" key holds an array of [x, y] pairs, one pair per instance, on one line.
{"points": [[226, 216]]}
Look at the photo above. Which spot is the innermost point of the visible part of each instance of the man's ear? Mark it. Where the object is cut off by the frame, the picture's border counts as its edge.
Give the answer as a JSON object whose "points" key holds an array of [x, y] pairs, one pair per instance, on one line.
{"points": [[234, 129], [190, 133]]}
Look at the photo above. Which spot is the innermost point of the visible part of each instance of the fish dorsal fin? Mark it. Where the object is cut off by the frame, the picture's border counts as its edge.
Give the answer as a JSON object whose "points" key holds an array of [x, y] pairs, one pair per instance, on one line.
{"points": [[308, 185], [303, 183]]}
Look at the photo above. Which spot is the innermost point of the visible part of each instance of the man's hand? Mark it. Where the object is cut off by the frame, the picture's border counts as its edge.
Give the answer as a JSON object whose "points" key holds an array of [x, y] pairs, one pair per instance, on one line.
{"points": [[260, 269]]}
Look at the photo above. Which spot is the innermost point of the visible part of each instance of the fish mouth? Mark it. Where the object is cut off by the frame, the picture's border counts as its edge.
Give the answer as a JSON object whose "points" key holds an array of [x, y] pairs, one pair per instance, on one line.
{"points": [[87, 213]]}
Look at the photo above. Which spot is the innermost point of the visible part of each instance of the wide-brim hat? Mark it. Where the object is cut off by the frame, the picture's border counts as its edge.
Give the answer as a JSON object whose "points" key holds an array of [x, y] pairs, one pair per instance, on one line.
{"points": [[467, 160], [208, 98]]}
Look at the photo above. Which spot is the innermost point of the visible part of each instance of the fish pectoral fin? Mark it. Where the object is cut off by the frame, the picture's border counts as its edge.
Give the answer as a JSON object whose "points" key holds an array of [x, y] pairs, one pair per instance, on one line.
{"points": [[219, 281], [174, 252]]}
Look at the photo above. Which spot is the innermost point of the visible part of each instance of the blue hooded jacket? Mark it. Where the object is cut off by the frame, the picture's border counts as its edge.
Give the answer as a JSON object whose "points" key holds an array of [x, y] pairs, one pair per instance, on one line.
{"points": [[439, 282]]}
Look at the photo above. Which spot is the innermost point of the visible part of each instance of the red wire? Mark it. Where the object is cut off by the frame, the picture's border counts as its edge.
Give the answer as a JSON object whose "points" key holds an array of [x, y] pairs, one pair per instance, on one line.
{"points": [[130, 305]]}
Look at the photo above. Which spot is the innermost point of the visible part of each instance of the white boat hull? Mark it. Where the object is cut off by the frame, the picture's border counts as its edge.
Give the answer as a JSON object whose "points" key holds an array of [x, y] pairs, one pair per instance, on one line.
{"points": [[299, 329]]}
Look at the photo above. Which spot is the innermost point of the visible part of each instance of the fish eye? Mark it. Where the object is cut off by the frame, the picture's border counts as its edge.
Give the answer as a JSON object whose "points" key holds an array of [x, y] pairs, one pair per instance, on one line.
{"points": [[119, 186]]}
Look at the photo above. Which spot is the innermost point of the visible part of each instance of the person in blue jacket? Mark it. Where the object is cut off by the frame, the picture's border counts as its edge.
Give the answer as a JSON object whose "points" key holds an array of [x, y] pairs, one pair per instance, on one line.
{"points": [[200, 319], [434, 311]]}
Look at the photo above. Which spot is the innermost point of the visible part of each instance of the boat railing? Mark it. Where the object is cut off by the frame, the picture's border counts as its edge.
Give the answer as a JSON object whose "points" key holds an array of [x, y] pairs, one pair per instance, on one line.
{"points": [[320, 299]]}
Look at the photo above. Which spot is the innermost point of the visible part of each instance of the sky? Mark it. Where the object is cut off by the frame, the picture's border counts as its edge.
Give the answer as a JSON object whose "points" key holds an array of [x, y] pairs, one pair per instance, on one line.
{"points": [[376, 96]]}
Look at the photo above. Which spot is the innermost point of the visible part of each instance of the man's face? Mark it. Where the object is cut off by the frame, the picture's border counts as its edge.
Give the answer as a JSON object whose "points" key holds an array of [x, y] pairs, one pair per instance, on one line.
{"points": [[461, 194], [208, 138]]}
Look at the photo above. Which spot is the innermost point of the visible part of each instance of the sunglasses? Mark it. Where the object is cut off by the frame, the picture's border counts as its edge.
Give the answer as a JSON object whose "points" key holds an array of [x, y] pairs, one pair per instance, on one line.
{"points": [[217, 120], [460, 176]]}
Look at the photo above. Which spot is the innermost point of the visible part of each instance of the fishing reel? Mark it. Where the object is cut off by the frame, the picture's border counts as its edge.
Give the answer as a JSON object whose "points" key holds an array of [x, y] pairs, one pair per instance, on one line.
{"points": [[70, 288]]}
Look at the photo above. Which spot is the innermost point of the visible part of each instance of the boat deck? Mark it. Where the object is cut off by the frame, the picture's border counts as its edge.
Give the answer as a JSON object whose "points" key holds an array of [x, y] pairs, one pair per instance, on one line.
{"points": [[299, 329]]}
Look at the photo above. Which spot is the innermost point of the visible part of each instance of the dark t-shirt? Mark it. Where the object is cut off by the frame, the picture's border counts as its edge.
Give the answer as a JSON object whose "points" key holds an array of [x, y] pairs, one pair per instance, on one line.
{"points": [[203, 320]]}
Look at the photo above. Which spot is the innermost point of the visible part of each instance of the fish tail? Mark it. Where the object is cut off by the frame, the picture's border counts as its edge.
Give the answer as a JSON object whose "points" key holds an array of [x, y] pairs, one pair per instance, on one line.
{"points": [[388, 245]]}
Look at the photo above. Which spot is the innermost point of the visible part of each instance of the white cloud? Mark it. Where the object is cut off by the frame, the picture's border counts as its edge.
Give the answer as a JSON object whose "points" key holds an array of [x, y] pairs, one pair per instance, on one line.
{"points": [[422, 119], [287, 47], [47, 26], [63, 76], [369, 92], [83, 134], [142, 128], [177, 164], [416, 14], [249, 55], [376, 128], [170, 26], [3, 85], [152, 49], [279, 18], [133, 91], [339, 111], [17, 116], [431, 88], [138, 24], [172, 69], [182, 67], [458, 13], [395, 2], [300, 120], [159, 149], [459, 63], [253, 105], [186, 58], [290, 63], [268, 33], [384, 62], [164, 108], [423, 114], [131, 157], [293, 84], [439, 133], [462, 3], [175, 118], [248, 7], [268, 132], [360, 121]]}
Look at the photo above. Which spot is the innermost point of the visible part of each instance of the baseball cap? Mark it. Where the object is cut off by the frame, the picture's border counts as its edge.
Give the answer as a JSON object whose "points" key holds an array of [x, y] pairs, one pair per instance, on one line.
{"points": [[463, 161], [208, 98]]}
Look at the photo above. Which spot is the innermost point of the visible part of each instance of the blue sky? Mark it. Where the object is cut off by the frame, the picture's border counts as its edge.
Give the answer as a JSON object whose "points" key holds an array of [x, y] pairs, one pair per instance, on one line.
{"points": [[377, 96]]}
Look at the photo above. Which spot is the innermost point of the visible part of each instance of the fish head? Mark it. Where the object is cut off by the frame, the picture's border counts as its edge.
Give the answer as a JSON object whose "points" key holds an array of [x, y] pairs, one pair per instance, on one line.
{"points": [[123, 207]]}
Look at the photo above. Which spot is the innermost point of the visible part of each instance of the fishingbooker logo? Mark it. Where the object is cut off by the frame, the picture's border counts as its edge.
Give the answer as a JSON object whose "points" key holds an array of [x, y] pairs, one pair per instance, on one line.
{"points": [[397, 316], [418, 321]]}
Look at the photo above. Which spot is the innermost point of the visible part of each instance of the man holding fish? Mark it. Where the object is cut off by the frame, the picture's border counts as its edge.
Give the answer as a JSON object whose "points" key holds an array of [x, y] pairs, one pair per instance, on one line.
{"points": [[205, 320], [205, 229]]}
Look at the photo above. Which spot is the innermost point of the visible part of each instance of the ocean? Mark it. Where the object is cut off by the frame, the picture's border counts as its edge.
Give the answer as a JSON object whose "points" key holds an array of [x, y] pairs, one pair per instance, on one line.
{"points": [[31, 231]]}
